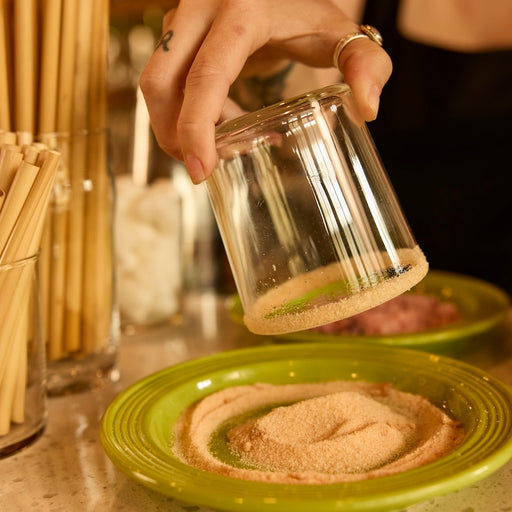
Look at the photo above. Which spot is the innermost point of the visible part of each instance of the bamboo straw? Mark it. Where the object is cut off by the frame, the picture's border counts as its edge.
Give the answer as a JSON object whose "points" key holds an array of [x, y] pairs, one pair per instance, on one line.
{"points": [[76, 255], [51, 16], [21, 223], [67, 53], [7, 137], [5, 104], [10, 159], [25, 64], [29, 227], [29, 223], [57, 280], [21, 344], [99, 64], [67, 57], [44, 264], [75, 244], [15, 320], [59, 218], [30, 153], [45, 261], [7, 384], [99, 256], [49, 93], [18, 355], [98, 260], [15, 200], [56, 259], [24, 138], [78, 165], [36, 215]]}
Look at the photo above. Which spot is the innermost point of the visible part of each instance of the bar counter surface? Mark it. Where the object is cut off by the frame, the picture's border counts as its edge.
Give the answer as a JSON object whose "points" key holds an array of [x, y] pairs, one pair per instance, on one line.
{"points": [[66, 470]]}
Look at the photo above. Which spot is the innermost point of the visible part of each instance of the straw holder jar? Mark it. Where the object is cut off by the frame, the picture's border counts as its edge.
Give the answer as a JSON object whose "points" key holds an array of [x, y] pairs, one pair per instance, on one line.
{"points": [[22, 364], [80, 324], [53, 88]]}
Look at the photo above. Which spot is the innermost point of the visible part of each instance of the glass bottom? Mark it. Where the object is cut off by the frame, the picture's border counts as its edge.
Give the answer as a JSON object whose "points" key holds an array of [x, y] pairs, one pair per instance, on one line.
{"points": [[73, 375], [19, 438]]}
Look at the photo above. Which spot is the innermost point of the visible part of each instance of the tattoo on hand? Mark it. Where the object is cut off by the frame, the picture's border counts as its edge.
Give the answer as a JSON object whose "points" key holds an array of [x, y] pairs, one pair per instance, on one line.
{"points": [[255, 92], [164, 40]]}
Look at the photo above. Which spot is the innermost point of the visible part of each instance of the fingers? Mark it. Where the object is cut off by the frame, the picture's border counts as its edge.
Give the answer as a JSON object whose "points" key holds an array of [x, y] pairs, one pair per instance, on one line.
{"points": [[161, 90], [231, 110], [366, 67], [205, 45], [163, 79], [292, 29], [187, 79], [195, 166], [224, 51]]}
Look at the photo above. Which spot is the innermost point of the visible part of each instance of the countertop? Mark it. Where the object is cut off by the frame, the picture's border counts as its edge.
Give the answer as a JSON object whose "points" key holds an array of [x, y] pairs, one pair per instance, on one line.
{"points": [[67, 469]]}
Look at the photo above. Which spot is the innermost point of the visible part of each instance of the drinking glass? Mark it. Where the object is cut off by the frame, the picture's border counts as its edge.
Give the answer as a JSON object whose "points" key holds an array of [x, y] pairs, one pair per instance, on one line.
{"points": [[311, 225]]}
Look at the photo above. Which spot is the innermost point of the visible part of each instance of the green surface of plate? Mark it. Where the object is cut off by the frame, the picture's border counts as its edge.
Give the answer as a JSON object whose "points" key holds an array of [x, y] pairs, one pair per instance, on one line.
{"points": [[482, 305], [137, 428]]}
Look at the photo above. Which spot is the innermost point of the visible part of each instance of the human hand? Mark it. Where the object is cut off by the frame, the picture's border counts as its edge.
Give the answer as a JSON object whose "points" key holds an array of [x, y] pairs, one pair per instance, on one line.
{"points": [[205, 46]]}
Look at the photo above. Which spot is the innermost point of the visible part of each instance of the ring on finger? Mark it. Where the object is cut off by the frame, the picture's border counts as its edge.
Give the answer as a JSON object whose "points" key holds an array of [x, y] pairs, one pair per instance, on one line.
{"points": [[365, 31]]}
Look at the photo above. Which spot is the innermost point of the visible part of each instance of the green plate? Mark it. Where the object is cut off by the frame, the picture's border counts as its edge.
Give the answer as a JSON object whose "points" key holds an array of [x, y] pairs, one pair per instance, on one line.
{"points": [[483, 307], [137, 428]]}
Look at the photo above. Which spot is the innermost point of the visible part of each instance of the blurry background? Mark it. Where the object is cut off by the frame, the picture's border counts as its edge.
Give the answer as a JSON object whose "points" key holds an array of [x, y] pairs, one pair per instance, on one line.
{"points": [[166, 238]]}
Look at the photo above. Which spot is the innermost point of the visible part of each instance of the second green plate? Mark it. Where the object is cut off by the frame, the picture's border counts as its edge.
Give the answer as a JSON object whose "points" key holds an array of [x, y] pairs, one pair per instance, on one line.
{"points": [[483, 307]]}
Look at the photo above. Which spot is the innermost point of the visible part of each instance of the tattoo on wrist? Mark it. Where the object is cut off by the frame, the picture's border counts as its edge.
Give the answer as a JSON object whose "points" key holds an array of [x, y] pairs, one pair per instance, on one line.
{"points": [[164, 41], [255, 92]]}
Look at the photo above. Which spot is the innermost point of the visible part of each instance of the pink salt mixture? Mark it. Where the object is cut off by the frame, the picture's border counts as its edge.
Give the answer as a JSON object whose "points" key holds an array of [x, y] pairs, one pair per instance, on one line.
{"points": [[327, 432], [407, 313]]}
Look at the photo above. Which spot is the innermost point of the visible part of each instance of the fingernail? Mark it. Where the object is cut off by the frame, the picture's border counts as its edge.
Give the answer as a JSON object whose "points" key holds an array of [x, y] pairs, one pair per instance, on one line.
{"points": [[374, 99], [195, 169]]}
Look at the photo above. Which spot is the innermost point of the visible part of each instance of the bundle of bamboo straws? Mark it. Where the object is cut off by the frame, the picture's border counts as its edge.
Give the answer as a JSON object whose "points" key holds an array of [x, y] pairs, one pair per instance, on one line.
{"points": [[53, 66], [27, 173]]}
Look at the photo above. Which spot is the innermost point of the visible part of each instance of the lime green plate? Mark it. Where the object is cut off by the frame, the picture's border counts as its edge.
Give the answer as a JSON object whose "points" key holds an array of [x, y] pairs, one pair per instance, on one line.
{"points": [[483, 307], [137, 428]]}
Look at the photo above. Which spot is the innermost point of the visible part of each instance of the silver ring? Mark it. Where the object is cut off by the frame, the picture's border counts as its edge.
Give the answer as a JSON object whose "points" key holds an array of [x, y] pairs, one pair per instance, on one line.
{"points": [[366, 31]]}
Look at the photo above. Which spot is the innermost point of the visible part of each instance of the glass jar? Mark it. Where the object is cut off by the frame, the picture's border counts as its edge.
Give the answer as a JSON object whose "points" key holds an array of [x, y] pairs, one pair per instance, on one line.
{"points": [[23, 404], [148, 232], [80, 319]]}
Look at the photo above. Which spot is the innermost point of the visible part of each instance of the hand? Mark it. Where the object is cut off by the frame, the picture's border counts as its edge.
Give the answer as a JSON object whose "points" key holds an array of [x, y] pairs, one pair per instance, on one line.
{"points": [[205, 46]]}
